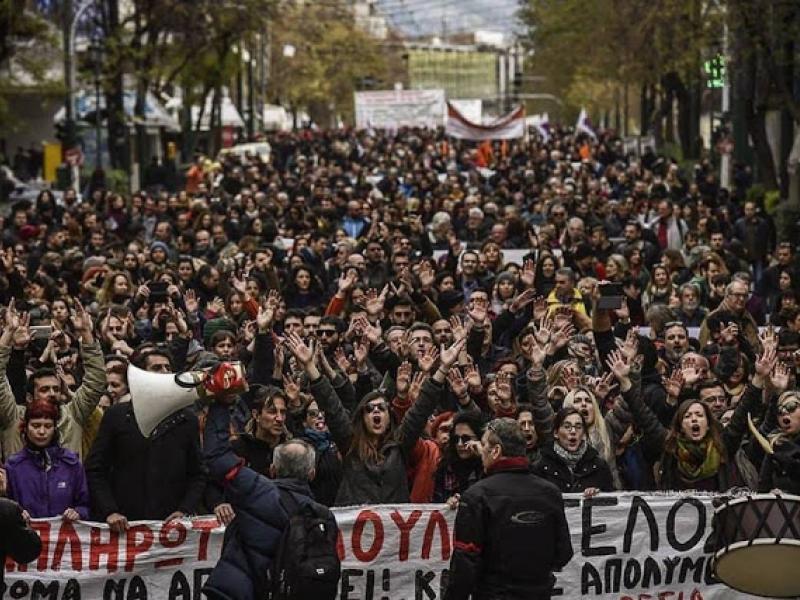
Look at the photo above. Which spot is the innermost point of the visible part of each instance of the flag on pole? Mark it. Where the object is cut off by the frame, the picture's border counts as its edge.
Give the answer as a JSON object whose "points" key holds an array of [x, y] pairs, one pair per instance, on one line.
{"points": [[541, 123], [584, 125], [507, 127]]}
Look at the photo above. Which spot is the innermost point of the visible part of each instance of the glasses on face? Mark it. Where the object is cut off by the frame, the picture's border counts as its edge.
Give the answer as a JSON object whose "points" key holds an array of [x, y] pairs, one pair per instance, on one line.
{"points": [[379, 406], [572, 426], [788, 407], [739, 295], [326, 332], [464, 439], [315, 412]]}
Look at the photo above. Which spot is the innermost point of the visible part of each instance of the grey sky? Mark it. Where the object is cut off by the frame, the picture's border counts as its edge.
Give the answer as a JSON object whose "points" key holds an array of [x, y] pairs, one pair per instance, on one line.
{"points": [[431, 17]]}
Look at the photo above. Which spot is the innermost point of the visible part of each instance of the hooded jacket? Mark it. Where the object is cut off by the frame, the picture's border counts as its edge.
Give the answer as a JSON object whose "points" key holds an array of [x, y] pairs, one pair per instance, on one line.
{"points": [[47, 482], [254, 536]]}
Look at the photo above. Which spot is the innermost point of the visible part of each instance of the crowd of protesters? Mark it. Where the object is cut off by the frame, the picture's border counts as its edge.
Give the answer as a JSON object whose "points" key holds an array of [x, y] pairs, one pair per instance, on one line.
{"points": [[364, 279]]}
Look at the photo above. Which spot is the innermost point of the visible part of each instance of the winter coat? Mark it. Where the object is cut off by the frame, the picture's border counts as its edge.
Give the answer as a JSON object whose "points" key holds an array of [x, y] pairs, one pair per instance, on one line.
{"points": [[655, 435], [74, 414], [252, 540], [48, 482], [781, 469], [145, 478], [18, 541], [498, 518], [590, 472], [387, 482]]}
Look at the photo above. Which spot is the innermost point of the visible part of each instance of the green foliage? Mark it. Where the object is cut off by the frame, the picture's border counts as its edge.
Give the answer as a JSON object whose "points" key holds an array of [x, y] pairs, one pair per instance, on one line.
{"points": [[331, 57], [585, 49], [118, 181]]}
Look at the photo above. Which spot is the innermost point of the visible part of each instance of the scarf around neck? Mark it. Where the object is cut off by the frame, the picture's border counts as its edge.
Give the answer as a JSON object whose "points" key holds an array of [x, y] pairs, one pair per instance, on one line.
{"points": [[571, 458], [698, 460], [321, 440]]}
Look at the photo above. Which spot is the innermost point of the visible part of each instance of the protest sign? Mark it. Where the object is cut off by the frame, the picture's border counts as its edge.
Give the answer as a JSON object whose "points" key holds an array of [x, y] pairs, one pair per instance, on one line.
{"points": [[400, 108], [627, 547]]}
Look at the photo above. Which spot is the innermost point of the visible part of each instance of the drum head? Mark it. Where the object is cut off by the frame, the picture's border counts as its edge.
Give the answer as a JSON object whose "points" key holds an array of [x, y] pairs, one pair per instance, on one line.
{"points": [[765, 568]]}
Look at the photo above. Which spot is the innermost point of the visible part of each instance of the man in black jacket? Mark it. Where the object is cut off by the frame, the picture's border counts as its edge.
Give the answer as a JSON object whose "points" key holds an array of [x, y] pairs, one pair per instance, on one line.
{"points": [[510, 532], [16, 539], [131, 477]]}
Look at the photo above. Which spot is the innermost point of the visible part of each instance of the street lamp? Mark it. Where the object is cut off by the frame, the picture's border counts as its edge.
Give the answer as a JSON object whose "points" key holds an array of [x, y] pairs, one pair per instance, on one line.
{"points": [[96, 56]]}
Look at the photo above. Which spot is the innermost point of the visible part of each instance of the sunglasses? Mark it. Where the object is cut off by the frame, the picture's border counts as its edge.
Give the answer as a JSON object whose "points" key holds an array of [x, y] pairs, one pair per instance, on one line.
{"points": [[314, 413], [326, 332], [464, 439], [381, 406], [789, 407]]}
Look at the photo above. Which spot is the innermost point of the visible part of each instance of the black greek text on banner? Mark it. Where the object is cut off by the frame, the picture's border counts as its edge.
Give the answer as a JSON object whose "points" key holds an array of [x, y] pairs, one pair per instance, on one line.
{"points": [[627, 547]]}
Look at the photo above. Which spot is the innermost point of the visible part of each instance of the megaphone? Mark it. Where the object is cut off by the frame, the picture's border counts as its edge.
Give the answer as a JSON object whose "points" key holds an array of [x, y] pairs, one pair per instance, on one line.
{"points": [[156, 396]]}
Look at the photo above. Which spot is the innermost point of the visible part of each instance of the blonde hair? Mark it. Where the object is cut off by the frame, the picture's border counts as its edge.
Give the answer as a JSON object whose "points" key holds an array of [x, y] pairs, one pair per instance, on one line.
{"points": [[597, 432]]}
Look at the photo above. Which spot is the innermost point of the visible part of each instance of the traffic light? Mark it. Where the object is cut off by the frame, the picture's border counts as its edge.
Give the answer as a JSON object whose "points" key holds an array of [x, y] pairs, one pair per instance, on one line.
{"points": [[65, 133], [517, 83]]}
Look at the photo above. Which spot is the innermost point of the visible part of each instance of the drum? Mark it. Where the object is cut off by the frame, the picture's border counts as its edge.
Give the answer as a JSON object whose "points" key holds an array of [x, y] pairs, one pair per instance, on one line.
{"points": [[756, 544]]}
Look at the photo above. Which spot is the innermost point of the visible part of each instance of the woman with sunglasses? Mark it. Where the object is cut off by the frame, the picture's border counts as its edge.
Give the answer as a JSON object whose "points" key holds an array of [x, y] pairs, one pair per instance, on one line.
{"points": [[567, 459], [780, 469], [460, 465], [375, 452], [313, 429]]}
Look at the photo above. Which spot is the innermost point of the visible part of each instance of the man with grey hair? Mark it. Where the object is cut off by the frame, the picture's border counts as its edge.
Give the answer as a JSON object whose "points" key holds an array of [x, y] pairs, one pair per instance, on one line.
{"points": [[511, 532], [269, 512]]}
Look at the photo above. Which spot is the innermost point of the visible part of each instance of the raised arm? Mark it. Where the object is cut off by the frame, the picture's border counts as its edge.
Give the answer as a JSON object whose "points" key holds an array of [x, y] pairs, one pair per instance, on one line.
{"points": [[654, 432], [94, 369], [337, 418], [417, 416]]}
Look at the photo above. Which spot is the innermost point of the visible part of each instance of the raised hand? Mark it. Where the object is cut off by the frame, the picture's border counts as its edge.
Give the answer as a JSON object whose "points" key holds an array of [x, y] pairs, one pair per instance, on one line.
{"points": [[302, 352], [427, 360], [630, 347], [341, 360], [766, 361], [426, 275], [292, 390], [602, 386], [473, 376], [448, 356], [503, 386], [374, 301], [457, 382], [729, 334], [477, 312], [522, 300], [674, 384], [360, 351], [416, 385], [346, 281], [619, 366], [562, 336], [190, 301], [81, 321], [780, 377], [691, 374], [11, 320], [539, 308], [403, 380], [528, 274]]}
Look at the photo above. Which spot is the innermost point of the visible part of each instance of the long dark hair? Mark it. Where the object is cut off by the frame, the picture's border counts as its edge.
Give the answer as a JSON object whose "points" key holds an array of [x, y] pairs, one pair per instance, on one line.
{"points": [[364, 446], [476, 422], [714, 429]]}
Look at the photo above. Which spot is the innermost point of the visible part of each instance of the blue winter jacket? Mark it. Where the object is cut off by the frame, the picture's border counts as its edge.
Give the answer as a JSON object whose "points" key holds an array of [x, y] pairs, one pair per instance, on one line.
{"points": [[48, 482], [260, 518]]}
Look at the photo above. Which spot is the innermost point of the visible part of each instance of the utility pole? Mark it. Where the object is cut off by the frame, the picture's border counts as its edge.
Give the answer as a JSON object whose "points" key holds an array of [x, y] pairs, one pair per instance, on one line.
{"points": [[69, 121]]}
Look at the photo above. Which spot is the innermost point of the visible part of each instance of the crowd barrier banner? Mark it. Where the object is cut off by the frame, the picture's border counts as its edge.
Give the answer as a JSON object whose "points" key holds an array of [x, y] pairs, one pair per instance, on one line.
{"points": [[627, 547]]}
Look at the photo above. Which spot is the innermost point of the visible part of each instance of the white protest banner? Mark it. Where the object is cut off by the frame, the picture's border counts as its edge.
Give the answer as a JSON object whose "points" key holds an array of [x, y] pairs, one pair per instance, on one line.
{"points": [[627, 547], [391, 109]]}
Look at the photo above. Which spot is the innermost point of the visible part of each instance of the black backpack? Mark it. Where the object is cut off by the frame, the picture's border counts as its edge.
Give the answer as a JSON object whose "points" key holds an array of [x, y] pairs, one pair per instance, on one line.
{"points": [[307, 563]]}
